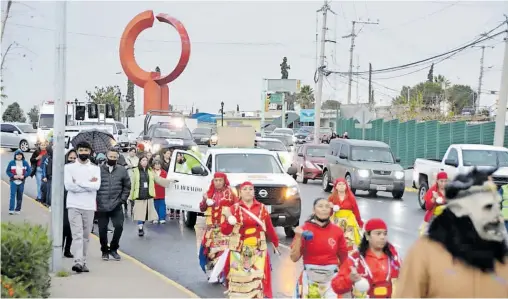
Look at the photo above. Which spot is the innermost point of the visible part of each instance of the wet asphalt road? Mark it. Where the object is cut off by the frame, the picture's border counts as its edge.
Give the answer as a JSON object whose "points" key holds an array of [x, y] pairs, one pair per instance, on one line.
{"points": [[171, 249]]}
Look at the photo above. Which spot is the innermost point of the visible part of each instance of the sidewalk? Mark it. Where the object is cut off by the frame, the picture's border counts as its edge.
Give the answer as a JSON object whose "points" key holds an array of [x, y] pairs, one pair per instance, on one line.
{"points": [[127, 278]]}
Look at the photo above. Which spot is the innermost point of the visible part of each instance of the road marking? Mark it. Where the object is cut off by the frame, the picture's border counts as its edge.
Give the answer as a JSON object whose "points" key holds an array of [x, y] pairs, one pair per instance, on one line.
{"points": [[411, 189], [135, 261]]}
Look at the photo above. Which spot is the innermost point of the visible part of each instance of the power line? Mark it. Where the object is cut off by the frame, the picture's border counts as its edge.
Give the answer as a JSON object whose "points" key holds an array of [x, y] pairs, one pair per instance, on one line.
{"points": [[404, 66]]}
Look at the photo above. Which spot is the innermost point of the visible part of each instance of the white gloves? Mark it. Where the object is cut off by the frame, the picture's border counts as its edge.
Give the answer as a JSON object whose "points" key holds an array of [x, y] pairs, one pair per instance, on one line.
{"points": [[336, 208], [232, 220], [439, 200], [209, 202], [362, 285]]}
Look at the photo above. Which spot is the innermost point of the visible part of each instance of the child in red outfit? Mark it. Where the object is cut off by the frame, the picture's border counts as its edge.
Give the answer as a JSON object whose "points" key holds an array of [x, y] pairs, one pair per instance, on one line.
{"points": [[160, 193], [434, 200]]}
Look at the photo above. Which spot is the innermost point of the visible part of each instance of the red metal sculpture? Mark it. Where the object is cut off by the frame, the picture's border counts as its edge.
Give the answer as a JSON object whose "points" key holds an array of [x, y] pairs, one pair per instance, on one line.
{"points": [[156, 90]]}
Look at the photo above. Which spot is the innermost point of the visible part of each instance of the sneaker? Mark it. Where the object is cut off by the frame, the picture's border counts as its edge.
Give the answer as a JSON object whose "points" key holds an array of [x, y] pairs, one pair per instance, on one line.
{"points": [[110, 231], [11, 212], [77, 268], [115, 255], [17, 212], [155, 222], [68, 255], [141, 232], [85, 268], [105, 256], [162, 221]]}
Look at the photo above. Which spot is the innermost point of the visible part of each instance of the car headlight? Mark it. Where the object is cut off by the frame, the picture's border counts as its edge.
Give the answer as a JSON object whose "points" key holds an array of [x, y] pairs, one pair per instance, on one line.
{"points": [[309, 165], [363, 173], [156, 148], [195, 148], [291, 191], [399, 175]]}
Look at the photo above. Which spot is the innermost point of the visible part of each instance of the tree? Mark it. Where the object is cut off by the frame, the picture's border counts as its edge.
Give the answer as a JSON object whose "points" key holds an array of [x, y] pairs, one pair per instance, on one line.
{"points": [[284, 67], [460, 97], [331, 104], [430, 75], [129, 98], [33, 114], [441, 80], [305, 98], [106, 95], [14, 113]]}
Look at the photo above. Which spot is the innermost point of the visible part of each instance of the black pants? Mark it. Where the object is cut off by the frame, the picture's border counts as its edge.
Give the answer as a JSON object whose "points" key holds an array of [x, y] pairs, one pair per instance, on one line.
{"points": [[67, 235], [117, 218]]}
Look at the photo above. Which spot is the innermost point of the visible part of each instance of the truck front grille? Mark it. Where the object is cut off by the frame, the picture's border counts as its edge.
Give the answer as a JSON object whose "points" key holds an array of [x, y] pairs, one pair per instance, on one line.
{"points": [[500, 181], [382, 172], [273, 195]]}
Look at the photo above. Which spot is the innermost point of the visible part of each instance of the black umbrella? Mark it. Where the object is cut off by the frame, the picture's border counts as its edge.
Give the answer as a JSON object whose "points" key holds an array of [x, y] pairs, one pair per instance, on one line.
{"points": [[100, 141]]}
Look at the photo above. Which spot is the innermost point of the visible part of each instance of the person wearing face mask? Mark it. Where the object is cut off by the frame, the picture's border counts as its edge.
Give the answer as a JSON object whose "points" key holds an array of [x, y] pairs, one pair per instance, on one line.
{"points": [[370, 271], [143, 193], [434, 201], [36, 166], [247, 263], [322, 246], [70, 157], [112, 194], [82, 179], [345, 213]]}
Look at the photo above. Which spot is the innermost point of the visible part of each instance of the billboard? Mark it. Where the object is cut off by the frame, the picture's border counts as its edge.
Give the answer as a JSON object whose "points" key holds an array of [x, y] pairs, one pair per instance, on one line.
{"points": [[307, 115]]}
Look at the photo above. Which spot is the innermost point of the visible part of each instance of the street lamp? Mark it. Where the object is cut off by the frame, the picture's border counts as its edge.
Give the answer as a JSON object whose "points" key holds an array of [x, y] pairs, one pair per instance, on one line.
{"points": [[222, 113]]}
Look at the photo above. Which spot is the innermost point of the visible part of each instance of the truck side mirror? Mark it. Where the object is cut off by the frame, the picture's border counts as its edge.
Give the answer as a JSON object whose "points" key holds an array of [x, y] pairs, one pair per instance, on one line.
{"points": [[198, 170], [451, 162], [300, 155], [397, 160], [342, 156]]}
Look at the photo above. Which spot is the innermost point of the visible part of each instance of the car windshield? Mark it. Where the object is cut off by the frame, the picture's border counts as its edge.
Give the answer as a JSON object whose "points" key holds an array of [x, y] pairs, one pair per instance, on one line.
{"points": [[27, 129], [247, 163], [315, 151], [485, 158], [46, 121], [170, 133], [202, 131], [371, 154], [271, 145], [283, 131], [104, 126]]}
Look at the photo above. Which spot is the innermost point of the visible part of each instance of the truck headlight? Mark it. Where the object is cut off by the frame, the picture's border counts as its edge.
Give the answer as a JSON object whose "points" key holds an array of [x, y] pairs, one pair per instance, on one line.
{"points": [[363, 173], [309, 164], [291, 191], [156, 148], [399, 175]]}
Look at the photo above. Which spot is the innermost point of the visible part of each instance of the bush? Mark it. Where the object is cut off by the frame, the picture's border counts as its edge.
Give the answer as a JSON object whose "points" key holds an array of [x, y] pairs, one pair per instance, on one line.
{"points": [[26, 250], [13, 288]]}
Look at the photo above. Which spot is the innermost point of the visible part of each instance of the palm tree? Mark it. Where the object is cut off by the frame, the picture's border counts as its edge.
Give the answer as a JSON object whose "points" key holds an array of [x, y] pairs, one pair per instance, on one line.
{"points": [[305, 97], [441, 80]]}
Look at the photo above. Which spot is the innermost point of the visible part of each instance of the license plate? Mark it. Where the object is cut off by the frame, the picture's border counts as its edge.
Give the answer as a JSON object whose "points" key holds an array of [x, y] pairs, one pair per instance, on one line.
{"points": [[269, 209], [381, 188]]}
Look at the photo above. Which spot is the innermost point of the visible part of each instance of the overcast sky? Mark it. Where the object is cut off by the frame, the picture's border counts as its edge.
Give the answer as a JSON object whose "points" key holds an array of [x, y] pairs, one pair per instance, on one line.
{"points": [[236, 44]]}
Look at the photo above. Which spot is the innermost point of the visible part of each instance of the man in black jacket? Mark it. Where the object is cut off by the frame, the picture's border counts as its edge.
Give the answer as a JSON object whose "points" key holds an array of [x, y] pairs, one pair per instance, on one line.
{"points": [[113, 193]]}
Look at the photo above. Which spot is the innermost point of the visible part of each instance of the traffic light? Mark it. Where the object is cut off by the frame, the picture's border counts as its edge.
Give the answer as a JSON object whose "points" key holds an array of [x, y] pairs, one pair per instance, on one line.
{"points": [[267, 102], [286, 117], [80, 112], [93, 111], [110, 111]]}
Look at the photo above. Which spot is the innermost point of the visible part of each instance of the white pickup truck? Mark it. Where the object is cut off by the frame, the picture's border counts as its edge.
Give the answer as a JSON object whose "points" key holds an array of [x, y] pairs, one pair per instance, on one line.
{"points": [[457, 159], [273, 186]]}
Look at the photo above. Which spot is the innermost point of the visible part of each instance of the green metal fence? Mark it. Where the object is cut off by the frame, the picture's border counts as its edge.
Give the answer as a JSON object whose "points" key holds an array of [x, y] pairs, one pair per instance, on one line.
{"points": [[411, 140]]}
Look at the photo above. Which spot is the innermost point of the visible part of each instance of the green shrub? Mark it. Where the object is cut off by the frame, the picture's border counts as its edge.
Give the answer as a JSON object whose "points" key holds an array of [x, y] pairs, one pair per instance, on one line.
{"points": [[26, 252], [13, 288]]}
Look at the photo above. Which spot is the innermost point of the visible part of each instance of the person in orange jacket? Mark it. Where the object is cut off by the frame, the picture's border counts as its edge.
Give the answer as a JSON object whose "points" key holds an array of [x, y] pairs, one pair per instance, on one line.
{"points": [[434, 201], [371, 270]]}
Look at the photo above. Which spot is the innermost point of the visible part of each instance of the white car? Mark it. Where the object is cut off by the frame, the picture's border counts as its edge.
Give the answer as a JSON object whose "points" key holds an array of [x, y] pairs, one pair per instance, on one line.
{"points": [[120, 132], [274, 187], [274, 145], [18, 135]]}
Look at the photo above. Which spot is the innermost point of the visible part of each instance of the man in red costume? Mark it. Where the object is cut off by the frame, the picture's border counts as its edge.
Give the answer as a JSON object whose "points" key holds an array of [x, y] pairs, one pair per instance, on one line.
{"points": [[214, 243]]}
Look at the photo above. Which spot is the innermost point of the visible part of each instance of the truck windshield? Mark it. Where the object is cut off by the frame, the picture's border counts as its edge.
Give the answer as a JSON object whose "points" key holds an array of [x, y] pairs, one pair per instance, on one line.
{"points": [[246, 163], [180, 133], [371, 154], [485, 158], [314, 151], [271, 145], [104, 126], [46, 121]]}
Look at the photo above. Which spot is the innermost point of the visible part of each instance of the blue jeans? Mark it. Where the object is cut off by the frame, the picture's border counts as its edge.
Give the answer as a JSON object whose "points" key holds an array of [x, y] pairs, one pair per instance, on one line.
{"points": [[160, 207], [506, 224], [16, 196], [140, 222], [38, 179]]}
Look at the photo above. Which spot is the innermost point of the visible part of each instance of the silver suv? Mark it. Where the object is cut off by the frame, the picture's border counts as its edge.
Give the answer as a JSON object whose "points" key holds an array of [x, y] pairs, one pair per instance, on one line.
{"points": [[366, 165], [18, 135]]}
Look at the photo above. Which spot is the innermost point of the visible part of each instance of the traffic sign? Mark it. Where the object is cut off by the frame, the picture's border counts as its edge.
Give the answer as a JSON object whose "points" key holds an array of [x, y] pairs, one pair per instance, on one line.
{"points": [[282, 85], [276, 98]]}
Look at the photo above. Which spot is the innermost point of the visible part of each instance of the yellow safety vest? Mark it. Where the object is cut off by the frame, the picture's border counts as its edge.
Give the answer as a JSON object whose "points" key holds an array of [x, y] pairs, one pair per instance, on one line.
{"points": [[504, 202]]}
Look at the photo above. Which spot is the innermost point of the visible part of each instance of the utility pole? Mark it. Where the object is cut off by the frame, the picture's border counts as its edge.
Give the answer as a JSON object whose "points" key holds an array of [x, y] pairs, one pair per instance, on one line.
{"points": [[357, 79], [480, 79], [319, 92], [4, 21], [370, 84], [351, 49], [57, 188], [503, 97]]}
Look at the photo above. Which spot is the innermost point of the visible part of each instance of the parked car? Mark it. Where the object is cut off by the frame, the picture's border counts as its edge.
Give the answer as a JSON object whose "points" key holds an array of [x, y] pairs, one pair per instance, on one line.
{"points": [[366, 165], [310, 160], [205, 136], [120, 132], [457, 159], [18, 135]]}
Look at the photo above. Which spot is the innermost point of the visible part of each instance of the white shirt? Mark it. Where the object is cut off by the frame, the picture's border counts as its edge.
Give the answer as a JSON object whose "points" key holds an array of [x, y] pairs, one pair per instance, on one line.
{"points": [[82, 194], [19, 171]]}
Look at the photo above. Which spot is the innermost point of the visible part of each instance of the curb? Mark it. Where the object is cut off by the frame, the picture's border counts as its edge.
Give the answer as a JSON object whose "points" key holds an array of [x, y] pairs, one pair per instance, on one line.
{"points": [[411, 189], [135, 261]]}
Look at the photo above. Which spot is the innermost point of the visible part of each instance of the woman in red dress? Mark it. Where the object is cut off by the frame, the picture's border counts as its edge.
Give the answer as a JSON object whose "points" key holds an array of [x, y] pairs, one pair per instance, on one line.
{"points": [[345, 213], [434, 201], [214, 243], [250, 227], [370, 271], [322, 246]]}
